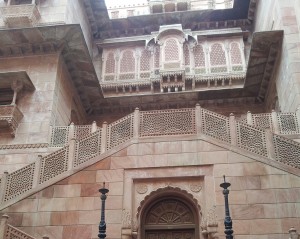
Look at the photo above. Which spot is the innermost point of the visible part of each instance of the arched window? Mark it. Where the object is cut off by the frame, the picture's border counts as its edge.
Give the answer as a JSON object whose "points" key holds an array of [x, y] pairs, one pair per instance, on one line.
{"points": [[110, 64], [236, 57], [127, 66], [171, 50], [110, 67], [199, 58], [145, 64], [217, 59]]}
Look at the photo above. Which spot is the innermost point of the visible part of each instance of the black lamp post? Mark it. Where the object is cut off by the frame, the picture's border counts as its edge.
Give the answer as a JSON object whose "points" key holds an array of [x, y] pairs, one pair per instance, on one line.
{"points": [[227, 221], [102, 225]]}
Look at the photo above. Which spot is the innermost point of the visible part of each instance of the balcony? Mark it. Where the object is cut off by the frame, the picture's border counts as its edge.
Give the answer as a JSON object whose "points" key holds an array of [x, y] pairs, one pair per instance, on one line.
{"points": [[25, 15], [10, 117]]}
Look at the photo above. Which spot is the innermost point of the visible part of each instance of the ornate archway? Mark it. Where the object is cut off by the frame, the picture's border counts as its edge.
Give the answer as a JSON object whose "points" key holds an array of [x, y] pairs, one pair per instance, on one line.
{"points": [[169, 217]]}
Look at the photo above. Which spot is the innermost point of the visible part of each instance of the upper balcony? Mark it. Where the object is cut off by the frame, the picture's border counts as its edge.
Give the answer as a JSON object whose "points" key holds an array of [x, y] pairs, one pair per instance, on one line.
{"points": [[174, 61], [11, 85], [10, 118], [20, 14]]}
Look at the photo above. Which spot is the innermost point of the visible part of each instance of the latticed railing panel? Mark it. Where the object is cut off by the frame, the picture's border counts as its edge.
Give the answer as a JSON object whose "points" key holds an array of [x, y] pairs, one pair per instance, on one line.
{"points": [[216, 126], [288, 123], [54, 164], [19, 182], [59, 137], [263, 121], [167, 122], [251, 139], [287, 151], [14, 233], [82, 131], [88, 148], [119, 131]]}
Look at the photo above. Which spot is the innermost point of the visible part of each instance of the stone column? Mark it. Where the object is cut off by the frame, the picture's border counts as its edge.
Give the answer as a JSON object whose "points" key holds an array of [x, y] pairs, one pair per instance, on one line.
{"points": [[136, 123], [232, 124], [16, 86], [94, 127], [3, 225], [275, 122], [3, 186], [198, 116], [249, 118], [103, 137]]}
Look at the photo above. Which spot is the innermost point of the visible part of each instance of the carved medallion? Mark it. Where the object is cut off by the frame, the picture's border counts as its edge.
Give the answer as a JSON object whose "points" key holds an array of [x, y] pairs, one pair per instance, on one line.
{"points": [[142, 188], [195, 188]]}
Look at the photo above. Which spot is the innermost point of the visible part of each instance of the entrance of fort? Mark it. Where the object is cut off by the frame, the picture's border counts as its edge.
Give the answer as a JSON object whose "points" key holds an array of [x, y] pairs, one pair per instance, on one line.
{"points": [[169, 218]]}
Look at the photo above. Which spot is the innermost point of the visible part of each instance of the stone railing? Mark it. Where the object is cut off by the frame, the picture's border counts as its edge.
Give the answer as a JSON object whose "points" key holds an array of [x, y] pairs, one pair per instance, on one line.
{"points": [[61, 135], [10, 117], [278, 123], [20, 15], [9, 232], [225, 131]]}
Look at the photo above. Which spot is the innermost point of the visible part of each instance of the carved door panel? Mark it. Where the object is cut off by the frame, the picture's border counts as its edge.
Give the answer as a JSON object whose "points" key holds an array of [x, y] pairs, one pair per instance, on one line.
{"points": [[170, 234]]}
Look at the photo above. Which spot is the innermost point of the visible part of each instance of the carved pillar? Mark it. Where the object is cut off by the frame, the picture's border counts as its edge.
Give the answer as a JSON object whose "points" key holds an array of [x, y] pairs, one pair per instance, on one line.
{"points": [[232, 126], [94, 127], [3, 225], [137, 65], [198, 119], [275, 122], [136, 123], [207, 58], [72, 151], [104, 137], [37, 170], [249, 118], [117, 66], [270, 144], [3, 186], [16, 86], [227, 56]]}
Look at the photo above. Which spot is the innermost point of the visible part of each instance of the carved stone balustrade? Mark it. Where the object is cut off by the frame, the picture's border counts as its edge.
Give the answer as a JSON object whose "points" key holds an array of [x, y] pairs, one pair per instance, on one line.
{"points": [[10, 117], [25, 15]]}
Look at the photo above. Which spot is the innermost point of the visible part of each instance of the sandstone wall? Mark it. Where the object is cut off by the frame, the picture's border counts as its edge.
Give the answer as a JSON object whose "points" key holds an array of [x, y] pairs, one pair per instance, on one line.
{"points": [[284, 15], [264, 200]]}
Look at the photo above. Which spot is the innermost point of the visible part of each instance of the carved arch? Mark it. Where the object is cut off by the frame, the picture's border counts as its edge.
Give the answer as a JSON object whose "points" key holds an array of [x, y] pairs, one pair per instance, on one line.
{"points": [[170, 195]]}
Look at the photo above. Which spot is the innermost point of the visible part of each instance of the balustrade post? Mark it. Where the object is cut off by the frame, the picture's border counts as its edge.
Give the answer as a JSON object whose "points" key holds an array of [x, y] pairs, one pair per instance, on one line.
{"points": [[232, 127], [249, 118], [270, 144], [71, 132], [94, 127], [275, 122], [136, 123], [103, 137], [3, 225], [71, 153], [37, 168], [198, 119], [3, 186]]}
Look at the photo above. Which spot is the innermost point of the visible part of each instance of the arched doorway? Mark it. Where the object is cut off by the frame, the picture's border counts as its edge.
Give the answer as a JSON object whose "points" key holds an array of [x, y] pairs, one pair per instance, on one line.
{"points": [[170, 218]]}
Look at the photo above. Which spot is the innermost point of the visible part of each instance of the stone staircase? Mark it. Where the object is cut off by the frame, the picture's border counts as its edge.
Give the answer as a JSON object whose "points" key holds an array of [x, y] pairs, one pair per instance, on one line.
{"points": [[196, 123]]}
